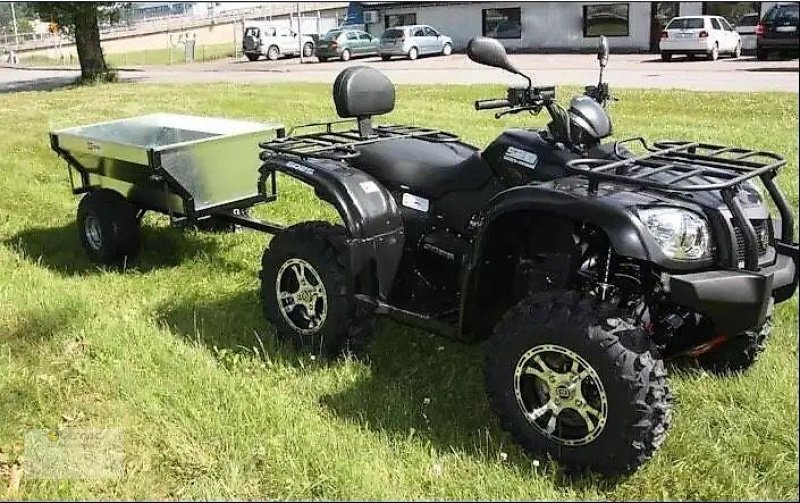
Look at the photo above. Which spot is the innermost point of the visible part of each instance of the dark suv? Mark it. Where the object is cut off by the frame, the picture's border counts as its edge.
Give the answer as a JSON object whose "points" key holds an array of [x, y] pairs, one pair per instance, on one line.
{"points": [[778, 30]]}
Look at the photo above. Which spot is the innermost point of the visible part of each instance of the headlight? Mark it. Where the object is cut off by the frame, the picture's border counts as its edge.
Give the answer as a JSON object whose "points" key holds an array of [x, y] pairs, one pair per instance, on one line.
{"points": [[682, 235]]}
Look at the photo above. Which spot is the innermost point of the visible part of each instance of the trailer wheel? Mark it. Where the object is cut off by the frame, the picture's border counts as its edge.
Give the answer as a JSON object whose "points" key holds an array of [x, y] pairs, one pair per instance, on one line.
{"points": [[573, 378], [108, 227], [306, 294]]}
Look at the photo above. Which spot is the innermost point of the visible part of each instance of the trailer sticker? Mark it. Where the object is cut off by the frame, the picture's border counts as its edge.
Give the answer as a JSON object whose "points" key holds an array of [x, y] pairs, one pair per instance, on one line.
{"points": [[93, 146], [369, 187], [521, 157], [415, 202], [300, 168]]}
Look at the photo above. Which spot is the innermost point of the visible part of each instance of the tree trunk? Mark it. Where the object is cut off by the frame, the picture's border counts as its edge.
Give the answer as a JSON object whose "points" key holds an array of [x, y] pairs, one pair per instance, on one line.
{"points": [[87, 42]]}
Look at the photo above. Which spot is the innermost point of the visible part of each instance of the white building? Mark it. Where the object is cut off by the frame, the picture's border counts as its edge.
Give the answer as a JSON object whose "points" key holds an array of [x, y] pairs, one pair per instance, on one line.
{"points": [[550, 26]]}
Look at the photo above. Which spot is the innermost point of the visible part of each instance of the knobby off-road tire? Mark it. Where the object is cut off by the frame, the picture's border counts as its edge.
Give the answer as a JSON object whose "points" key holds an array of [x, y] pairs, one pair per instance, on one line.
{"points": [[631, 402], [108, 228], [306, 266], [738, 354]]}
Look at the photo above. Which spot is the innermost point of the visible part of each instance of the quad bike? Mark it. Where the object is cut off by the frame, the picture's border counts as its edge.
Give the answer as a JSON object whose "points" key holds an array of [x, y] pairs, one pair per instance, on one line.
{"points": [[585, 264]]}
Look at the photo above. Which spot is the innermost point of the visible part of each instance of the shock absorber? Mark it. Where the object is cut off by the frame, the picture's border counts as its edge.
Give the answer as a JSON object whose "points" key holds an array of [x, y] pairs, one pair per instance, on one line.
{"points": [[605, 286]]}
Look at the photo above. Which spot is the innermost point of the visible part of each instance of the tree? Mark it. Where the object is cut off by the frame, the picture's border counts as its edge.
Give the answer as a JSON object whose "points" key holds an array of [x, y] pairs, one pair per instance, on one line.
{"points": [[80, 19], [24, 16]]}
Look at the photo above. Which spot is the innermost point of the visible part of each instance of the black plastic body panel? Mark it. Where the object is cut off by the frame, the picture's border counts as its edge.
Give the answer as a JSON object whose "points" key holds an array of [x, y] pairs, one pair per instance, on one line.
{"points": [[738, 300], [369, 212]]}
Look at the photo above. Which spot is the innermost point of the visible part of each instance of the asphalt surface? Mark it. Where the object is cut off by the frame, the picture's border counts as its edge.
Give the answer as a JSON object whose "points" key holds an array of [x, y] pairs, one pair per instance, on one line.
{"points": [[745, 74]]}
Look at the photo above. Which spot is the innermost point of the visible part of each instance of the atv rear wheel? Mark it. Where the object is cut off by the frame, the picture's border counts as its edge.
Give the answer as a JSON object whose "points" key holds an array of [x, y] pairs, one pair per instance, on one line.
{"points": [[571, 378], [305, 293], [738, 354]]}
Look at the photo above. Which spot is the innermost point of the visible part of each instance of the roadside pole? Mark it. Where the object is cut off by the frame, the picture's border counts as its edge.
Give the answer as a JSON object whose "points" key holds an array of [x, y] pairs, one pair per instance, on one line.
{"points": [[300, 32], [14, 20]]}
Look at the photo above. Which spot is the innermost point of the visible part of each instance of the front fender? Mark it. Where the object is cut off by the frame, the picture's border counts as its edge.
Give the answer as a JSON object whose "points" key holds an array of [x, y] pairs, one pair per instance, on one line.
{"points": [[625, 231]]}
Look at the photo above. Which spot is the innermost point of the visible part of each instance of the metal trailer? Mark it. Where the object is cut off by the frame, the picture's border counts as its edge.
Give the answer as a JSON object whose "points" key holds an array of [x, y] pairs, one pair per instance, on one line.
{"points": [[197, 170]]}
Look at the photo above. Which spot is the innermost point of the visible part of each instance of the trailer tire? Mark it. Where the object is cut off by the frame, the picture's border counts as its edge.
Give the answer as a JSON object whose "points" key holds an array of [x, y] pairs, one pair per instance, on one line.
{"points": [[108, 228], [317, 252], [551, 342]]}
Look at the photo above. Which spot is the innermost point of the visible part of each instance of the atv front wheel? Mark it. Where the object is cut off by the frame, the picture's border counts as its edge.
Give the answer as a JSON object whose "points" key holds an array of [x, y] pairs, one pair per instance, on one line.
{"points": [[305, 293], [738, 354], [571, 378]]}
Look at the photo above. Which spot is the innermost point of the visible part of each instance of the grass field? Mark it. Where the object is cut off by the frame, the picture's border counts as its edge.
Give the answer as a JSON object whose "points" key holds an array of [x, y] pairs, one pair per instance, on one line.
{"points": [[149, 57], [176, 351]]}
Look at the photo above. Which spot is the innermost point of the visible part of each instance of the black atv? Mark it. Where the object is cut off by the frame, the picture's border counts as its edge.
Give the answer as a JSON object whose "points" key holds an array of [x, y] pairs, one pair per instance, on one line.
{"points": [[584, 263]]}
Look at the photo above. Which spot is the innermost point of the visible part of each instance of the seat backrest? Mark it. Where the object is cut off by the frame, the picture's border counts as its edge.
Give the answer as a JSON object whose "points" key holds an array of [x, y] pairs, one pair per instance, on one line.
{"points": [[361, 91]]}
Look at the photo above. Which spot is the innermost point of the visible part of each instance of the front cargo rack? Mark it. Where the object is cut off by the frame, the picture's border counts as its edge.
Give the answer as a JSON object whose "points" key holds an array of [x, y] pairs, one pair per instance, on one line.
{"points": [[682, 166], [341, 145]]}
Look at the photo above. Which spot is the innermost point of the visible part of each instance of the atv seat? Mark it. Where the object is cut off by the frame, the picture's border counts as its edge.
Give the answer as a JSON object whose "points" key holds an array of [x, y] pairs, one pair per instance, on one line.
{"points": [[428, 168]]}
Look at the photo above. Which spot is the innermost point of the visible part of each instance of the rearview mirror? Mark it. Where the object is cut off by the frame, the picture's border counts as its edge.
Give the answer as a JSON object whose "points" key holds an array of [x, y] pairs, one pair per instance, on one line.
{"points": [[489, 52], [602, 52]]}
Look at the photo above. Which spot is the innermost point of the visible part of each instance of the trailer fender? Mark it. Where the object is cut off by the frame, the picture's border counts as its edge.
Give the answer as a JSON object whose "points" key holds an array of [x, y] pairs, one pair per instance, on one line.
{"points": [[369, 213]]}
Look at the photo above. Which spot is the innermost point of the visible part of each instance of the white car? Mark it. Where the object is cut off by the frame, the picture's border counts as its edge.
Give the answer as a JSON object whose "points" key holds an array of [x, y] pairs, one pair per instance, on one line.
{"points": [[274, 42], [746, 28], [692, 35]]}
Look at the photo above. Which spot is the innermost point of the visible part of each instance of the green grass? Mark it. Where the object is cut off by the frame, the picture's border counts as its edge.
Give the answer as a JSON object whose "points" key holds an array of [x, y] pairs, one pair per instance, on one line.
{"points": [[177, 353], [149, 57]]}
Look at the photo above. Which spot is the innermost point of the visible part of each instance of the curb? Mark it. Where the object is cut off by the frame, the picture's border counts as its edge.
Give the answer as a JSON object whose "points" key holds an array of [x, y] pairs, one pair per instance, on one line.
{"points": [[62, 68]]}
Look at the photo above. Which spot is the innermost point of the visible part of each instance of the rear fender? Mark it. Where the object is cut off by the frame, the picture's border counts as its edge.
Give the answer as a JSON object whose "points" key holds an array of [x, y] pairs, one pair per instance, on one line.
{"points": [[369, 213]]}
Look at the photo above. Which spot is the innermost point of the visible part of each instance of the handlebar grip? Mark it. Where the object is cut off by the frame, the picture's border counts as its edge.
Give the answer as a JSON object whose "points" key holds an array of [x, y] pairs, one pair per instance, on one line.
{"points": [[489, 104]]}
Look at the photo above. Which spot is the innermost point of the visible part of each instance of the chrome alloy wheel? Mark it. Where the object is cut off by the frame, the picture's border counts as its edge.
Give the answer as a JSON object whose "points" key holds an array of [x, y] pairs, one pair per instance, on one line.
{"points": [[561, 395], [93, 231], [302, 299]]}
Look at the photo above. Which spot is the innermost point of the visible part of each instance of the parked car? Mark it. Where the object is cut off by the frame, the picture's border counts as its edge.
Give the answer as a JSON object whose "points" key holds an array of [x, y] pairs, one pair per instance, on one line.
{"points": [[692, 35], [778, 30], [413, 41], [746, 28], [274, 42], [346, 43]]}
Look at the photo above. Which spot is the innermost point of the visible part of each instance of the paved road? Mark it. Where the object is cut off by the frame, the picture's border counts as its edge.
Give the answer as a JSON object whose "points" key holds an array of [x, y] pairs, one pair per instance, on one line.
{"points": [[643, 71]]}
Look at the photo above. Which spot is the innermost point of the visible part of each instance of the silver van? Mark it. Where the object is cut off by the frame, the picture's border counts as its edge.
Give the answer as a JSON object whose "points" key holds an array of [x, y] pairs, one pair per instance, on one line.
{"points": [[413, 41]]}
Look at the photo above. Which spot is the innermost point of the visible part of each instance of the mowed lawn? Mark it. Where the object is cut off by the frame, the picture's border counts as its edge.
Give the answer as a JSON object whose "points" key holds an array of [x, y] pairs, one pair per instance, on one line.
{"points": [[177, 354]]}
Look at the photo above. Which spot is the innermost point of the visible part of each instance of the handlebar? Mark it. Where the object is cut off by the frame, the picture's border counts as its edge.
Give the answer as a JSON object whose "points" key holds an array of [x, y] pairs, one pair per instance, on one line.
{"points": [[490, 104]]}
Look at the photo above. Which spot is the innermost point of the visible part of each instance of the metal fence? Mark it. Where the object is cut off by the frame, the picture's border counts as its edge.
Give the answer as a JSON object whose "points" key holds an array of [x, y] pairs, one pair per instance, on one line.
{"points": [[177, 46]]}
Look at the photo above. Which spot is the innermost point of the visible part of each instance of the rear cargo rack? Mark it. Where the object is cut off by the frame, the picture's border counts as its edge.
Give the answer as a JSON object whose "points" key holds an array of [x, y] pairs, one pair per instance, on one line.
{"points": [[681, 166], [341, 145]]}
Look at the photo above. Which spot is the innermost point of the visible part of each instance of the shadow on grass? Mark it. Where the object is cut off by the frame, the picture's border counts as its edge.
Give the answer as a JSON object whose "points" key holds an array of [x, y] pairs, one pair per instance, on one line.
{"points": [[229, 324], [427, 387], [40, 84], [421, 387], [59, 248]]}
